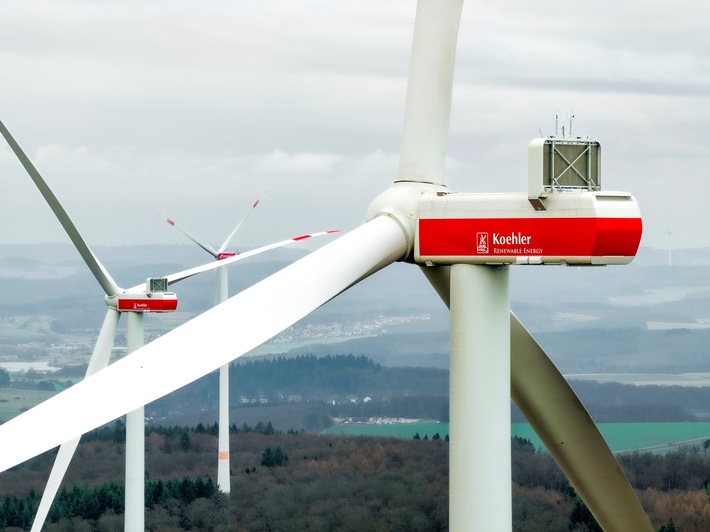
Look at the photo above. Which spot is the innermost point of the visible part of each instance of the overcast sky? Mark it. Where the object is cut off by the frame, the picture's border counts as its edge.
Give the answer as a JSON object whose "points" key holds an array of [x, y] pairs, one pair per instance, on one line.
{"points": [[196, 108]]}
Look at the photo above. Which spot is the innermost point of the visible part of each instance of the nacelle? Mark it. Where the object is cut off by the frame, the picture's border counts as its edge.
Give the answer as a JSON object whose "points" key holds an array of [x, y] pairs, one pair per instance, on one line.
{"points": [[581, 228], [143, 302]]}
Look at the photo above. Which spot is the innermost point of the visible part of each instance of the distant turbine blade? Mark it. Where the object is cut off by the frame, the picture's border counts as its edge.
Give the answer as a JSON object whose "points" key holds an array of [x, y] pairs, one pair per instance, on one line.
{"points": [[428, 104], [99, 360], [104, 343], [569, 434], [236, 229], [204, 245], [204, 343], [440, 278], [107, 283], [560, 420], [175, 277]]}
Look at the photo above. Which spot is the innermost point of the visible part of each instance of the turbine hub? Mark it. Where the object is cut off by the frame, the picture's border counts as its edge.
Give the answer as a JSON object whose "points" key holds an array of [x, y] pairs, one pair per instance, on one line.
{"points": [[401, 202]]}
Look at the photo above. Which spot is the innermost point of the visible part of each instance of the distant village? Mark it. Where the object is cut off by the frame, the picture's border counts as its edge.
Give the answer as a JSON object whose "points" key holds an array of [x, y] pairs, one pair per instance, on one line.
{"points": [[41, 357]]}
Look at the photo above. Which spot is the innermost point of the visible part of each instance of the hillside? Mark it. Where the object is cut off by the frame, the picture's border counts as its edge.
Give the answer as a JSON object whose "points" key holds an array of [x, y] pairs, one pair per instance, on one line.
{"points": [[646, 316], [309, 392]]}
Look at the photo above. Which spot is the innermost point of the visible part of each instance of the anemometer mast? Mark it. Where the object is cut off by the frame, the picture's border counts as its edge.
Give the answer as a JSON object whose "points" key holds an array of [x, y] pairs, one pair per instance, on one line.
{"points": [[565, 217], [559, 165]]}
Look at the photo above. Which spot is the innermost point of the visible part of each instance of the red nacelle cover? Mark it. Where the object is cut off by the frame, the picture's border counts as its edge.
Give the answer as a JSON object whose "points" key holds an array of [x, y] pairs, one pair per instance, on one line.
{"points": [[544, 237], [147, 304], [505, 229]]}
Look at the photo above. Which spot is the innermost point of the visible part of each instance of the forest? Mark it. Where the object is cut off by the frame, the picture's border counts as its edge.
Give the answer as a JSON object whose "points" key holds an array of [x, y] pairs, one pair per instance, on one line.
{"points": [[298, 481], [330, 384], [285, 476], [309, 392]]}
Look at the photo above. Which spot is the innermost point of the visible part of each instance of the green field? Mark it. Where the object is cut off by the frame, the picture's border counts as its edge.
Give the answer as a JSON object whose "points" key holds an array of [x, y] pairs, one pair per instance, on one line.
{"points": [[15, 400], [621, 437], [397, 430]]}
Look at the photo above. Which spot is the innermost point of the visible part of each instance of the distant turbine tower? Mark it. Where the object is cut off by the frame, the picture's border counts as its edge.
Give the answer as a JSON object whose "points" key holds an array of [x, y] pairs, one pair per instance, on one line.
{"points": [[670, 248], [221, 295]]}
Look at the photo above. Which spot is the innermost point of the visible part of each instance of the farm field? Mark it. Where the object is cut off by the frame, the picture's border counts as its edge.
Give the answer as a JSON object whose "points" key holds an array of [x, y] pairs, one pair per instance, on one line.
{"points": [[396, 430], [621, 437], [13, 401]]}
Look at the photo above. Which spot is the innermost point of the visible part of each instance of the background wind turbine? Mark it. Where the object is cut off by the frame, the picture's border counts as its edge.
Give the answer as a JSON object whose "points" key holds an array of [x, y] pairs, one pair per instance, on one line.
{"points": [[221, 294], [153, 297], [418, 221]]}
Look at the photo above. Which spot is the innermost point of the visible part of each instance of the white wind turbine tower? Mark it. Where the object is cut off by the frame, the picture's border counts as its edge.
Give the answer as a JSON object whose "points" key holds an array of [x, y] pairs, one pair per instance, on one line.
{"points": [[135, 302], [221, 295], [464, 243]]}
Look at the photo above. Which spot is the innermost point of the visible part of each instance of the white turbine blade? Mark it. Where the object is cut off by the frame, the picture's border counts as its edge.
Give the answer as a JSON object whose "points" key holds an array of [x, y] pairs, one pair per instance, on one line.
{"points": [[104, 343], [569, 434], [236, 229], [179, 276], [428, 105], [204, 245], [107, 283], [440, 279], [99, 360], [205, 343]]}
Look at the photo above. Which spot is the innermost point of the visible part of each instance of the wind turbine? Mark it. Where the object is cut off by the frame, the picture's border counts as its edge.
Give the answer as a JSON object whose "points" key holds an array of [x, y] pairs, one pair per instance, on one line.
{"points": [[221, 295], [136, 301], [418, 221]]}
